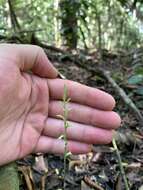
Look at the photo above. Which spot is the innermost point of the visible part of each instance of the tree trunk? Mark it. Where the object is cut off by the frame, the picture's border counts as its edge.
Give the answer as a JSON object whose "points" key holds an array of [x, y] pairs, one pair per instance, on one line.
{"points": [[69, 10]]}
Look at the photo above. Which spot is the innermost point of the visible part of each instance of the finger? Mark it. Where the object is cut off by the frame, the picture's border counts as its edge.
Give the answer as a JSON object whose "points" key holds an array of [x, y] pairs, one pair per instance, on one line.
{"points": [[77, 132], [29, 57], [57, 146], [86, 115], [81, 94]]}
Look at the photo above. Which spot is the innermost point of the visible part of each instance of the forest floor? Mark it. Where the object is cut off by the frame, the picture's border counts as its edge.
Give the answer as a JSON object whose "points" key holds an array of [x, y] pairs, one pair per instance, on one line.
{"points": [[98, 170]]}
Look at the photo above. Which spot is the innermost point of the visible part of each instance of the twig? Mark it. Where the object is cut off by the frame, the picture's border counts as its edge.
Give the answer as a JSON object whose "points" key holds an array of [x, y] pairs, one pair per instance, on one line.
{"points": [[92, 183]]}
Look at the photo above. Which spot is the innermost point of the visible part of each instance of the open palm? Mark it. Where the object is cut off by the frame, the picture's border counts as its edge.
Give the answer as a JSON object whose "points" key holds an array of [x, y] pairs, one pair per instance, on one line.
{"points": [[31, 101]]}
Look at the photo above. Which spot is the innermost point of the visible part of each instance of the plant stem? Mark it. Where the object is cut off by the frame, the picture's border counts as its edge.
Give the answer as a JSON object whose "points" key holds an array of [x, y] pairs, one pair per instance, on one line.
{"points": [[66, 125], [65, 150], [120, 164]]}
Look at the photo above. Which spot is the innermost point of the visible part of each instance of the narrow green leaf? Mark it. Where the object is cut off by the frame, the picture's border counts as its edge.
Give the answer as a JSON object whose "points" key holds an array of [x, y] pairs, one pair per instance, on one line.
{"points": [[61, 137], [68, 100], [68, 154], [60, 117]]}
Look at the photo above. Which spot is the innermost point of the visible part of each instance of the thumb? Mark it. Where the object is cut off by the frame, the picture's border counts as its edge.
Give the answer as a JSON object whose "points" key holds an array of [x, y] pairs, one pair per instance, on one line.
{"points": [[29, 57]]}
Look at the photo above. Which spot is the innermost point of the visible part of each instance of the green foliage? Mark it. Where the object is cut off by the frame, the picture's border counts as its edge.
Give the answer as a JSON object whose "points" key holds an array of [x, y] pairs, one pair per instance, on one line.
{"points": [[9, 177], [111, 24], [139, 70], [139, 91], [135, 79]]}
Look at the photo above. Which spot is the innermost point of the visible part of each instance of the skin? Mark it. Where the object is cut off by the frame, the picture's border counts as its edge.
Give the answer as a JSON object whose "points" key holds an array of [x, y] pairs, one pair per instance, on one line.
{"points": [[31, 101]]}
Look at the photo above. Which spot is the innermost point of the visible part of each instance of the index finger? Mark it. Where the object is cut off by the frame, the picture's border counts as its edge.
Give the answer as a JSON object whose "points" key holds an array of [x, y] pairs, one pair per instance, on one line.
{"points": [[81, 94]]}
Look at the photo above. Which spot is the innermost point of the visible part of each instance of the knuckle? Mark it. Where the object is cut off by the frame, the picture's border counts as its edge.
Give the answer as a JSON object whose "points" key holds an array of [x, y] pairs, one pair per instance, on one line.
{"points": [[39, 49]]}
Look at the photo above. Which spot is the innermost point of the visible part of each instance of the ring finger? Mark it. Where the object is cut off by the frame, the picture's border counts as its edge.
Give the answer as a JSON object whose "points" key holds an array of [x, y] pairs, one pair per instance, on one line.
{"points": [[77, 132]]}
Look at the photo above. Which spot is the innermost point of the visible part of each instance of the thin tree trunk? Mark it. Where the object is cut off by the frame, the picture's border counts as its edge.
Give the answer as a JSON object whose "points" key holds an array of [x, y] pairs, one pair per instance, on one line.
{"points": [[56, 24], [14, 21], [69, 23]]}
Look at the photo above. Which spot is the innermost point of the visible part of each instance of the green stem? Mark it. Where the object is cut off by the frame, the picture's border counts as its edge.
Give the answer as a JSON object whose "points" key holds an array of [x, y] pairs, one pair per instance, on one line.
{"points": [[65, 116], [65, 151], [120, 164]]}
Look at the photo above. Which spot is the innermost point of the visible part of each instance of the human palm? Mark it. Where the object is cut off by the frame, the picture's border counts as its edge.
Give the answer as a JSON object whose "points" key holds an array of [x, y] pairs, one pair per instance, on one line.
{"points": [[31, 101]]}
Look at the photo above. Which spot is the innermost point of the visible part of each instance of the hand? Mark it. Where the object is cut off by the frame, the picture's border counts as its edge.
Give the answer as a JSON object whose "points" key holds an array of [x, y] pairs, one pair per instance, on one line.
{"points": [[30, 102]]}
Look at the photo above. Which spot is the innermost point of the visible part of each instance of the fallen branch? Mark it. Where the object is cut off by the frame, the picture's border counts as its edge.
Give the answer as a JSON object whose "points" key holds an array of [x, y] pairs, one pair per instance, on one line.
{"points": [[122, 94]]}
